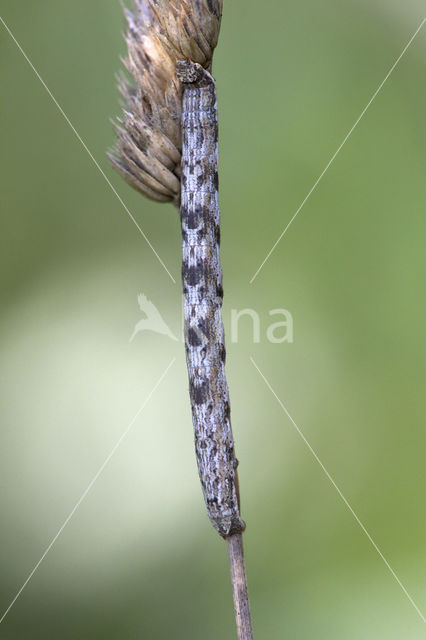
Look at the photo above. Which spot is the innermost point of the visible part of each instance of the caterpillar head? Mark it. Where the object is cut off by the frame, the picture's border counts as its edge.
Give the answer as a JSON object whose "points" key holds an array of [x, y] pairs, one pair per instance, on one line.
{"points": [[147, 152]]}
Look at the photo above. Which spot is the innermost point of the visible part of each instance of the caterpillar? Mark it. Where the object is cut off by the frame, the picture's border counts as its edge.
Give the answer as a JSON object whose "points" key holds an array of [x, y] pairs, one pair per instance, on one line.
{"points": [[167, 148], [203, 294]]}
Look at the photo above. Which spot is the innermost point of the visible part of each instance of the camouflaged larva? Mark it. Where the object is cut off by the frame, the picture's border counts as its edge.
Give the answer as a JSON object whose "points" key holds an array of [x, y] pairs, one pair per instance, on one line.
{"points": [[167, 149], [202, 295]]}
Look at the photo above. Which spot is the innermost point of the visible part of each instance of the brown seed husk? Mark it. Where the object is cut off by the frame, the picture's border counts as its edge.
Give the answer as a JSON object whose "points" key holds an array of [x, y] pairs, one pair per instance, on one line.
{"points": [[147, 152]]}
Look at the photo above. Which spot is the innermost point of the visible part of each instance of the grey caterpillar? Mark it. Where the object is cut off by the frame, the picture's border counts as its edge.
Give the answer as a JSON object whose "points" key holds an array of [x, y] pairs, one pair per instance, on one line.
{"points": [[202, 295], [167, 148]]}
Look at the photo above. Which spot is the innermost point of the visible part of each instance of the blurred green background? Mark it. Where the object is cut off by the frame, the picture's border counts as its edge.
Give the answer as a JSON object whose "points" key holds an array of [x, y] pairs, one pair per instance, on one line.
{"points": [[139, 559]]}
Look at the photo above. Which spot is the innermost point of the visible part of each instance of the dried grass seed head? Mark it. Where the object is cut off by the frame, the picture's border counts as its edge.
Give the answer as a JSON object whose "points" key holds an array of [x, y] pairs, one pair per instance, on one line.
{"points": [[147, 152]]}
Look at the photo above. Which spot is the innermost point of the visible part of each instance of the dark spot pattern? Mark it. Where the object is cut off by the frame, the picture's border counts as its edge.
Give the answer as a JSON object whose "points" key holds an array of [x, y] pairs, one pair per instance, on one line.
{"points": [[200, 137], [216, 180], [204, 326], [200, 180], [193, 338], [194, 274], [195, 217], [199, 392], [216, 134], [227, 411]]}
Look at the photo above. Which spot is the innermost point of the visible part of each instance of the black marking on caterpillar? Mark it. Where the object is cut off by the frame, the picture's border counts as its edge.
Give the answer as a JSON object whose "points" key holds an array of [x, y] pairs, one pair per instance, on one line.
{"points": [[203, 292]]}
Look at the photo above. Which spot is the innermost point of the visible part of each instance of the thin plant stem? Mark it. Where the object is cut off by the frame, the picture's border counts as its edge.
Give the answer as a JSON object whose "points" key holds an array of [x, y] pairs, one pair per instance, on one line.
{"points": [[239, 587]]}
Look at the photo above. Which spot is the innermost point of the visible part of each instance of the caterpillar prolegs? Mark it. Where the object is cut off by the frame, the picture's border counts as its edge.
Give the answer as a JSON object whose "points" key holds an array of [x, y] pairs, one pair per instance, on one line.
{"points": [[202, 295]]}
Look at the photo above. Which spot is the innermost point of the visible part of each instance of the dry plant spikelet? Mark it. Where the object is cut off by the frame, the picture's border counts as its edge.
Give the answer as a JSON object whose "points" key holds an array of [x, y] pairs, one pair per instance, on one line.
{"points": [[147, 152]]}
